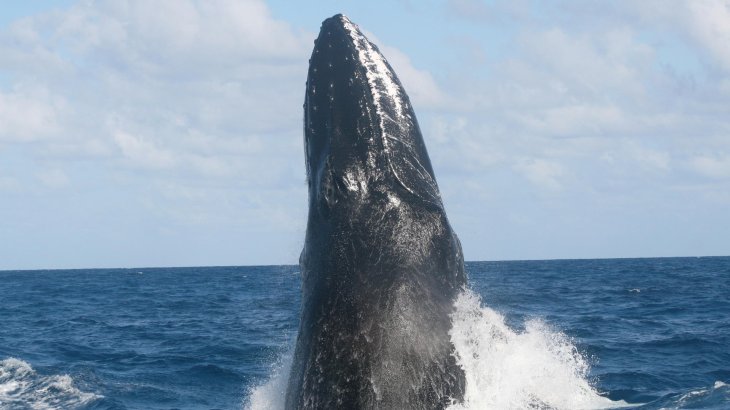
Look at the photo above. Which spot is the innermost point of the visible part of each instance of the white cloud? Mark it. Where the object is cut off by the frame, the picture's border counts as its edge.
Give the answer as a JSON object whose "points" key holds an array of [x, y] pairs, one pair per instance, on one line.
{"points": [[54, 178], [29, 113], [8, 183], [574, 120], [589, 63], [419, 84], [160, 36], [459, 145], [136, 102], [708, 22], [195, 106], [543, 173], [163, 68], [716, 166], [490, 12], [582, 83], [650, 158], [143, 152], [704, 23]]}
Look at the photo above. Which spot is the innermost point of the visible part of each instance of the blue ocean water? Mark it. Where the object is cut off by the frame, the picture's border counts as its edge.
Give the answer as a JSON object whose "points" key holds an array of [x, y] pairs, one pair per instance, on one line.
{"points": [[644, 333]]}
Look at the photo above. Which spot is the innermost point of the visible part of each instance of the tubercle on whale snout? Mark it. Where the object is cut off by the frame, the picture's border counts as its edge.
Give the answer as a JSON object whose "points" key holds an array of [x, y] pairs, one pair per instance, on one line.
{"points": [[354, 99], [381, 266]]}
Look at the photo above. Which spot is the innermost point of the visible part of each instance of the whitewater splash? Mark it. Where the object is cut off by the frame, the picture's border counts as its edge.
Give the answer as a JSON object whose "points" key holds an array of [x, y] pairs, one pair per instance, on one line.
{"points": [[22, 387], [538, 368], [272, 394]]}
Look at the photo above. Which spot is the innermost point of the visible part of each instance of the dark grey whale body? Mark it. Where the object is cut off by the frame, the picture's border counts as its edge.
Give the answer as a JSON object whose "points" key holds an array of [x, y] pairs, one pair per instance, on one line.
{"points": [[381, 266]]}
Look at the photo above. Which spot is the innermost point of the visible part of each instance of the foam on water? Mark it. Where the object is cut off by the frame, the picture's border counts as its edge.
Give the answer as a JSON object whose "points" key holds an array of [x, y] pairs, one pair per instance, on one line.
{"points": [[22, 387], [538, 368], [717, 396], [272, 394]]}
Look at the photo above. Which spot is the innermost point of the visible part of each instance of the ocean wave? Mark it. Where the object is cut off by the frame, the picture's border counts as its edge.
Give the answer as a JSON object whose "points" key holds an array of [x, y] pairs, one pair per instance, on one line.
{"points": [[712, 397], [22, 387]]}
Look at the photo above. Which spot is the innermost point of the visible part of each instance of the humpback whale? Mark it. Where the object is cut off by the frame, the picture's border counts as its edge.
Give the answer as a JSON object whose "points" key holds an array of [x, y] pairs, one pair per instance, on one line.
{"points": [[381, 266]]}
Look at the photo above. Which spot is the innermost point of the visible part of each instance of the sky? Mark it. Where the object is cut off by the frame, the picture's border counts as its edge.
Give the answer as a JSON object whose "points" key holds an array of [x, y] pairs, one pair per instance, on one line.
{"points": [[169, 133]]}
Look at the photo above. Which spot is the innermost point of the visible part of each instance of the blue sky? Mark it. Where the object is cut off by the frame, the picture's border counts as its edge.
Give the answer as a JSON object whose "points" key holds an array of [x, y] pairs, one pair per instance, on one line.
{"points": [[169, 133]]}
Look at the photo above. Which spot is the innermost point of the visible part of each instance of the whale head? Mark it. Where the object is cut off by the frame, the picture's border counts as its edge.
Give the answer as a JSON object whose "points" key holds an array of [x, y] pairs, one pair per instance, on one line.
{"points": [[362, 140]]}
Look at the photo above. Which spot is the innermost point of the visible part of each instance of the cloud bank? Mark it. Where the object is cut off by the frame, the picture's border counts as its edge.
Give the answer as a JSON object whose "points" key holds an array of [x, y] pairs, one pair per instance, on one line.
{"points": [[169, 133]]}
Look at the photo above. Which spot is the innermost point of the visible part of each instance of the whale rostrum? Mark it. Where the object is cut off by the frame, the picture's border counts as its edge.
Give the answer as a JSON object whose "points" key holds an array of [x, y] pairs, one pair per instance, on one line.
{"points": [[381, 266]]}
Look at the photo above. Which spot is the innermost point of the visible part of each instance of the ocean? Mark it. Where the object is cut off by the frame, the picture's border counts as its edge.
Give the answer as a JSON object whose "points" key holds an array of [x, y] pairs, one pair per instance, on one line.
{"points": [[561, 334]]}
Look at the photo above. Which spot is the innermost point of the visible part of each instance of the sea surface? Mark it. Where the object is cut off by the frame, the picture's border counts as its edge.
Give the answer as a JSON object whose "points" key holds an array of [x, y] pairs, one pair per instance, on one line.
{"points": [[632, 333]]}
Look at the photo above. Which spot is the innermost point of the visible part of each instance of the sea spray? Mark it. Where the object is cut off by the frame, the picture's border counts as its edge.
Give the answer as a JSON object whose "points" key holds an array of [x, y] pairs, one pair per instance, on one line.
{"points": [[271, 394], [538, 368]]}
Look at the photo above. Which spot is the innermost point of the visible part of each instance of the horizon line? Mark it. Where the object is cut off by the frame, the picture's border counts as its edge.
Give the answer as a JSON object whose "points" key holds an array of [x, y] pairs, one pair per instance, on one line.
{"points": [[285, 264]]}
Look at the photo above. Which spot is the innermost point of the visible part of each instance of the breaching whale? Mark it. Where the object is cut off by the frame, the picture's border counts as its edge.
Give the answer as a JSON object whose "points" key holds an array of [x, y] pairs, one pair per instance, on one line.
{"points": [[381, 266]]}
